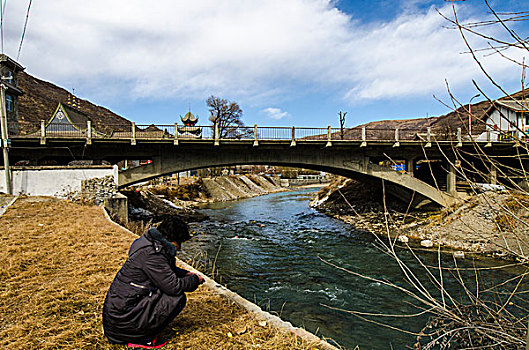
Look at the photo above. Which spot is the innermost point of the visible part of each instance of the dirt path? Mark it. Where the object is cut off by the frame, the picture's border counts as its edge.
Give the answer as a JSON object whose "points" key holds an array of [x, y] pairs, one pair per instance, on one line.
{"points": [[58, 260]]}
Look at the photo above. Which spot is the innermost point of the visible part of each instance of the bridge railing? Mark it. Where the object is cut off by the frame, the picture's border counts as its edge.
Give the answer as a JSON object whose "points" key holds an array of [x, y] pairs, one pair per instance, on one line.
{"points": [[132, 131]]}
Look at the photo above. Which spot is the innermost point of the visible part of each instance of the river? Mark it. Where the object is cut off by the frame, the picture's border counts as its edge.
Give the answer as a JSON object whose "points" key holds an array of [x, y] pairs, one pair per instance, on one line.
{"points": [[268, 250]]}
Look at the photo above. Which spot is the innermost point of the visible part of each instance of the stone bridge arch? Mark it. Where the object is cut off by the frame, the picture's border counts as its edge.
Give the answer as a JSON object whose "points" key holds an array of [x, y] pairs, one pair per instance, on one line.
{"points": [[340, 161]]}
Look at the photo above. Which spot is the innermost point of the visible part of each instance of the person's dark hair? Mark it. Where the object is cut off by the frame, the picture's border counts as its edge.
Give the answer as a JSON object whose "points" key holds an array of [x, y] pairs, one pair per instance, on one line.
{"points": [[173, 229]]}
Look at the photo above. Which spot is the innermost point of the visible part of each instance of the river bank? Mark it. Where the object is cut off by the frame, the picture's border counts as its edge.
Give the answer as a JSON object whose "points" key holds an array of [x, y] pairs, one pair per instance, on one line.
{"points": [[148, 202], [59, 259], [488, 223]]}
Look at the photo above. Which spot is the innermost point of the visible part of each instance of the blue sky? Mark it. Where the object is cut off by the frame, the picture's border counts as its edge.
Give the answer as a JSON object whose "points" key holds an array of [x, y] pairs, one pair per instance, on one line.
{"points": [[286, 62]]}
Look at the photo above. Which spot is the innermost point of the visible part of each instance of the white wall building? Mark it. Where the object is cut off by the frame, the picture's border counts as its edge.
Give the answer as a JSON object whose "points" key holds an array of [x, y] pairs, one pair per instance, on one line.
{"points": [[506, 120]]}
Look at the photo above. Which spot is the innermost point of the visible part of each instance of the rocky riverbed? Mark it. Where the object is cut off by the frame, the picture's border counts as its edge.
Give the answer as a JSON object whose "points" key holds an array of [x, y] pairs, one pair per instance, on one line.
{"points": [[489, 223]]}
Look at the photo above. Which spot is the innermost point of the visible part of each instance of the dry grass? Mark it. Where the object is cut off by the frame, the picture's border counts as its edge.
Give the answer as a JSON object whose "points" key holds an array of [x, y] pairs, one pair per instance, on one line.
{"points": [[58, 260]]}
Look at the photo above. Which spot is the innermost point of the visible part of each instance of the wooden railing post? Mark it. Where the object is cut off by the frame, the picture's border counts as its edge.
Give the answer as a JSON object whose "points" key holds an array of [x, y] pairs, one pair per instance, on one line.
{"points": [[216, 136], [88, 132], [397, 143], [293, 143], [255, 142], [459, 140], [329, 143], [42, 132], [133, 135], [364, 140], [175, 141], [428, 137]]}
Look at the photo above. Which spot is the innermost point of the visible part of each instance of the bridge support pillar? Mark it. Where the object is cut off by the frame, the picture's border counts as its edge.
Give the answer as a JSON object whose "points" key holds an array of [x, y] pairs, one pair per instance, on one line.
{"points": [[410, 166], [365, 163], [493, 175], [451, 179]]}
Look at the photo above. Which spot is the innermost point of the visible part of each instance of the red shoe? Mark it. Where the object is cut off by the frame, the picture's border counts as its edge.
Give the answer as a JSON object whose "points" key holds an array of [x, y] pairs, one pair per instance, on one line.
{"points": [[150, 345]]}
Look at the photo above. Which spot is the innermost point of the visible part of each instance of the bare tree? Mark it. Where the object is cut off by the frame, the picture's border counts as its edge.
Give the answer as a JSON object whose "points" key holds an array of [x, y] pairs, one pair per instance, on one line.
{"points": [[226, 115], [494, 317], [342, 123]]}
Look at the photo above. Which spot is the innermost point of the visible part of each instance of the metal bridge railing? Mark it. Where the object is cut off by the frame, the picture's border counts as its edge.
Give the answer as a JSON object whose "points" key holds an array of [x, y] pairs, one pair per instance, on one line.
{"points": [[177, 132]]}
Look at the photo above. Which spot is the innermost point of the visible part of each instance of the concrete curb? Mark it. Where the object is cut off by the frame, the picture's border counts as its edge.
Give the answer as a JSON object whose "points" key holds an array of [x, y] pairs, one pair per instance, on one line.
{"points": [[3, 210], [261, 315]]}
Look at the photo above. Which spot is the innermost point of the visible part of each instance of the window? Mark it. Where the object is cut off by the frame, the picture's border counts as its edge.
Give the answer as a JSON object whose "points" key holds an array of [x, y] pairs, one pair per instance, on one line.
{"points": [[9, 103]]}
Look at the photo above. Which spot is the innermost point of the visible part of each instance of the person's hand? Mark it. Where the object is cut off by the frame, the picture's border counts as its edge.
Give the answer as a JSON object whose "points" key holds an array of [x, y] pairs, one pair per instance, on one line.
{"points": [[200, 278]]}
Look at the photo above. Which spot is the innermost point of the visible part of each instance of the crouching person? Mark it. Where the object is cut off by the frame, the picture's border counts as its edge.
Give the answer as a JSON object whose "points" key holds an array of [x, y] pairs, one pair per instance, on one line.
{"points": [[149, 290]]}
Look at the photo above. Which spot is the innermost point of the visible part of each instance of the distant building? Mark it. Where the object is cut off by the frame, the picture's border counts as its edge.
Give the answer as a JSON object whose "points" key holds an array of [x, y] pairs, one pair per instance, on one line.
{"points": [[506, 119], [68, 119], [9, 70], [189, 129]]}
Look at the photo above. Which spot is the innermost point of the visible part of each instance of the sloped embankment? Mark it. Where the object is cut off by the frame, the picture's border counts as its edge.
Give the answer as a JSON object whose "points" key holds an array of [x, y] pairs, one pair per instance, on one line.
{"points": [[227, 188], [148, 204]]}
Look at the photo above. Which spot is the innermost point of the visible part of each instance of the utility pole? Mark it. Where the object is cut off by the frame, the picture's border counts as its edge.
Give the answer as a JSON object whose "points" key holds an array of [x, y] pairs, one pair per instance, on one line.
{"points": [[3, 125]]}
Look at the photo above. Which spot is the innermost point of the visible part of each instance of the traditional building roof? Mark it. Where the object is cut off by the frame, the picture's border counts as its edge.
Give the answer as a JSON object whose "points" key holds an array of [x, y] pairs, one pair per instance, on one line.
{"points": [[65, 113], [516, 105], [66, 118], [189, 117]]}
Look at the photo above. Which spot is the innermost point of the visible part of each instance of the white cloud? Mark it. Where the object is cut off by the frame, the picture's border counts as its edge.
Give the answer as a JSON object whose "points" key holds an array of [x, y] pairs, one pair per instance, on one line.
{"points": [[275, 113], [243, 49]]}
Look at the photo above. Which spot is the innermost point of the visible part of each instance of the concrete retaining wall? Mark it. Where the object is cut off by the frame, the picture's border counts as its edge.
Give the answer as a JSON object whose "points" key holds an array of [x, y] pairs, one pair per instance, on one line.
{"points": [[53, 180], [227, 188]]}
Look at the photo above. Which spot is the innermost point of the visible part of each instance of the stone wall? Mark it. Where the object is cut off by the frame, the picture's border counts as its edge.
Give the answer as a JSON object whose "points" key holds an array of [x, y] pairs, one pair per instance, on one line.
{"points": [[98, 189]]}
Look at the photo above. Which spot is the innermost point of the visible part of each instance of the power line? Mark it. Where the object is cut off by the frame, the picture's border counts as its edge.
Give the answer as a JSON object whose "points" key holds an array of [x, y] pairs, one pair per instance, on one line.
{"points": [[24, 31], [2, 2]]}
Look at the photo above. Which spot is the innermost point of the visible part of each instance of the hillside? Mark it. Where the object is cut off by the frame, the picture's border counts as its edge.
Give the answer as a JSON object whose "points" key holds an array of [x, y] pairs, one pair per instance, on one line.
{"points": [[443, 124], [40, 101]]}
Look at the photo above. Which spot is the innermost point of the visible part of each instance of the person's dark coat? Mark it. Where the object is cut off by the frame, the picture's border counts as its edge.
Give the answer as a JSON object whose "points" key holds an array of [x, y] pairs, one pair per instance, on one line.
{"points": [[147, 292]]}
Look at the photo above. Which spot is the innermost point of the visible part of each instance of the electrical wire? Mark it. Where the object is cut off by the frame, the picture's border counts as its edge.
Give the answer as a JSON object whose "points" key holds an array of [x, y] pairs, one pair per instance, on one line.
{"points": [[24, 31], [2, 2]]}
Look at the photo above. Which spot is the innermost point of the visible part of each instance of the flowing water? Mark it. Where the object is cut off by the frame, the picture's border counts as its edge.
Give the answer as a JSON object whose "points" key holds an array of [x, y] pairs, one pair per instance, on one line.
{"points": [[268, 249]]}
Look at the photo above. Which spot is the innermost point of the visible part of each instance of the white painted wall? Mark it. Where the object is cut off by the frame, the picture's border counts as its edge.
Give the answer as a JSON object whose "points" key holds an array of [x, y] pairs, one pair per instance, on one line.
{"points": [[516, 123], [52, 180]]}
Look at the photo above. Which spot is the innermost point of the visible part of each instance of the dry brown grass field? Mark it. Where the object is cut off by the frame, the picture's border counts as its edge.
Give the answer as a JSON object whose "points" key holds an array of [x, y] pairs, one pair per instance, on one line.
{"points": [[57, 261]]}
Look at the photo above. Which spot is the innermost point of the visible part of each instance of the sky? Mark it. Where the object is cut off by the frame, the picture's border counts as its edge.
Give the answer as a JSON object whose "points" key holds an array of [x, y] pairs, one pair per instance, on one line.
{"points": [[285, 62]]}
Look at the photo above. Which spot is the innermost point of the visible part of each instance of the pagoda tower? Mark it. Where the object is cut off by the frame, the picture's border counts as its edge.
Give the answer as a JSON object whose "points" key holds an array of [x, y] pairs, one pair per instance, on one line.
{"points": [[189, 128]]}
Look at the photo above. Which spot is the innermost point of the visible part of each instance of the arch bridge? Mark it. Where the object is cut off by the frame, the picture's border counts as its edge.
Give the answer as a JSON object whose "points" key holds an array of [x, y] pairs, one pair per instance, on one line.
{"points": [[418, 166]]}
